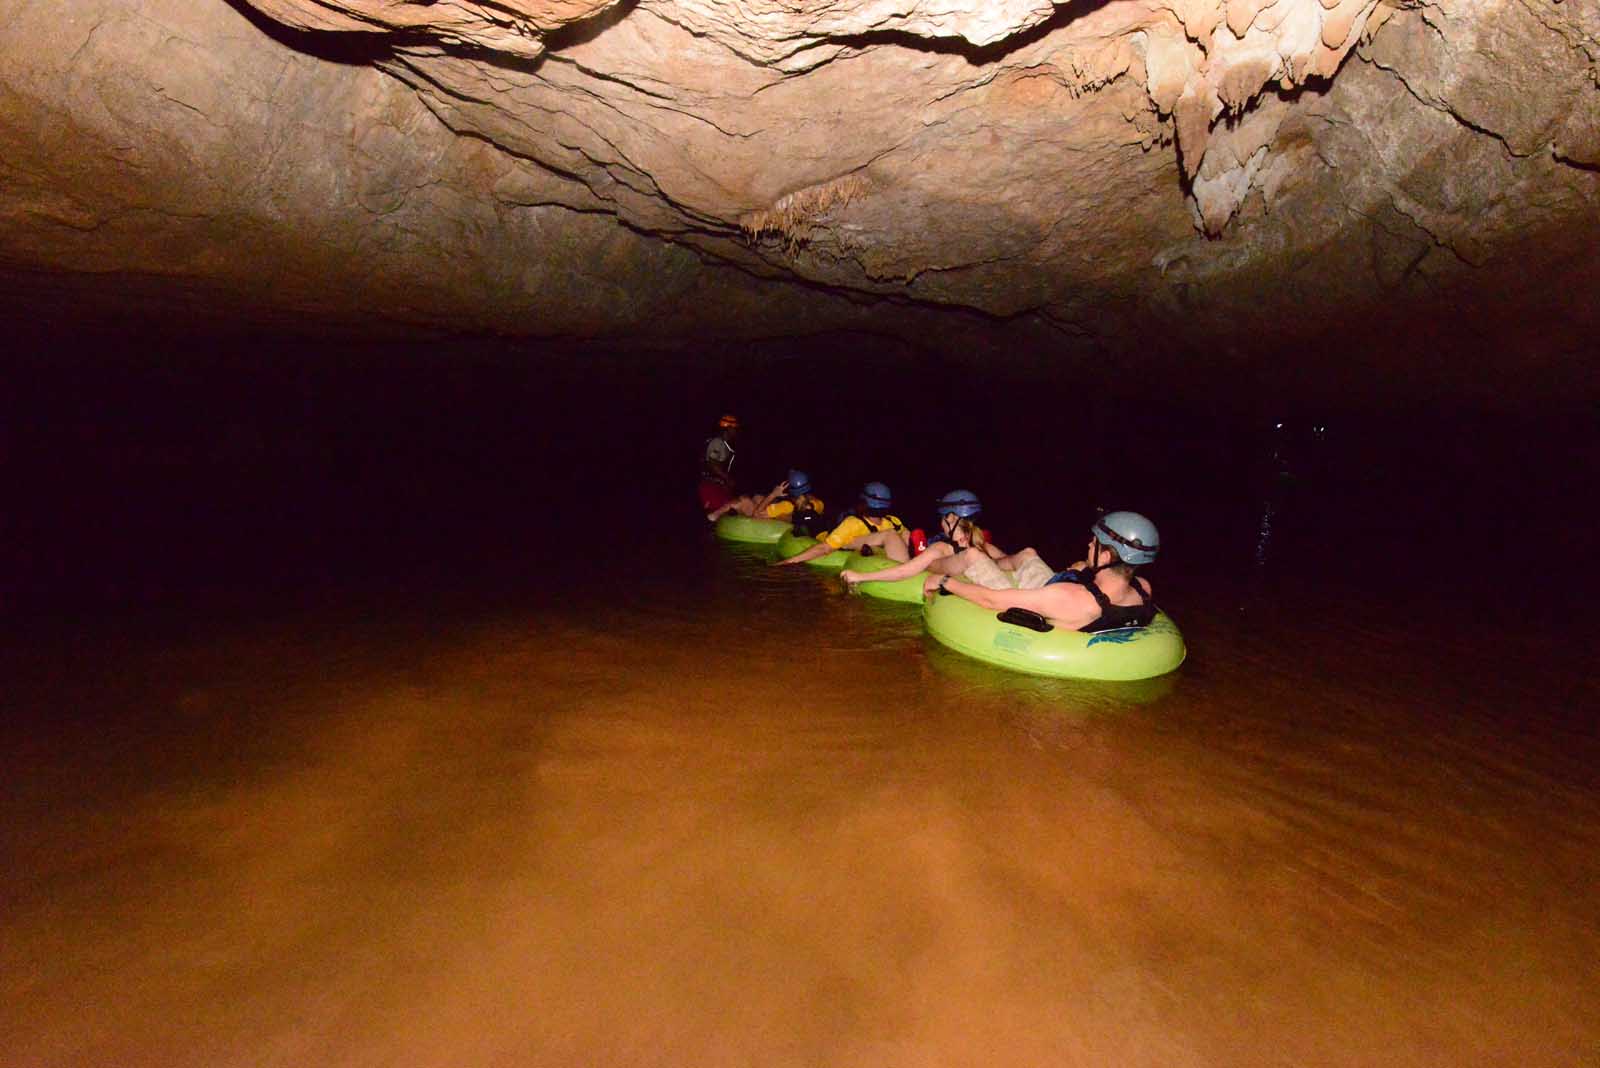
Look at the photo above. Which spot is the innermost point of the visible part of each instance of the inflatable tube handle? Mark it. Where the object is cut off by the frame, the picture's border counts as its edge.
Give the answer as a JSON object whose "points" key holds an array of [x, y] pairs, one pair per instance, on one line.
{"points": [[1021, 617]]}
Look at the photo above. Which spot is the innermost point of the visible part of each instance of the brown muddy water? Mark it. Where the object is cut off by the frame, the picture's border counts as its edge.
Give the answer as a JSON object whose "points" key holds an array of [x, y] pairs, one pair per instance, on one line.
{"points": [[345, 721], [769, 824]]}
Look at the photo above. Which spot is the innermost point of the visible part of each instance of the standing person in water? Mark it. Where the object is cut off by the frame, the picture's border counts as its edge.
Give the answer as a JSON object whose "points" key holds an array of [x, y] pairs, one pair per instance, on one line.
{"points": [[1099, 593], [716, 465], [870, 517], [791, 497], [959, 541]]}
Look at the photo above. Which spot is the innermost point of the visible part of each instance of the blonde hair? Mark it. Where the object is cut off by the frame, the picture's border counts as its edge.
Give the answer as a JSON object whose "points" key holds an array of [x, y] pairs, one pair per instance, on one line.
{"points": [[974, 532]]}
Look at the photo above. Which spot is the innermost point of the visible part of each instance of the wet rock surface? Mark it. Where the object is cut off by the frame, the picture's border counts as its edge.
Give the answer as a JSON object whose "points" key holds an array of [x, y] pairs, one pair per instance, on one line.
{"points": [[664, 167]]}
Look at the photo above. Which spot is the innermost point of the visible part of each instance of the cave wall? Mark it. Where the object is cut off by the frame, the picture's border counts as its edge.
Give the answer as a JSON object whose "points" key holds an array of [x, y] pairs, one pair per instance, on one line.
{"points": [[166, 140], [1122, 172]]}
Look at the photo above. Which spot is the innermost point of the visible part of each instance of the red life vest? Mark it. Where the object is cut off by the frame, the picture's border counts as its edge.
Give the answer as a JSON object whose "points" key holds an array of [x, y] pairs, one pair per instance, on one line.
{"points": [[919, 540]]}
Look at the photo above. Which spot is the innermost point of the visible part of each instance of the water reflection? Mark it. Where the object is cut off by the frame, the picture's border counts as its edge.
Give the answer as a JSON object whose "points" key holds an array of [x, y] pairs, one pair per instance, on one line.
{"points": [[736, 817], [1073, 698], [664, 805]]}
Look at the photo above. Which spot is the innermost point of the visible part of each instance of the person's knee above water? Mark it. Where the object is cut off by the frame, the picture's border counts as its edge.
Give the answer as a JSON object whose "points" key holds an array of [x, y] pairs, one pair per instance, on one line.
{"points": [[1021, 570], [792, 497], [870, 516], [998, 570], [893, 540], [716, 465], [957, 541], [1100, 593], [1025, 569]]}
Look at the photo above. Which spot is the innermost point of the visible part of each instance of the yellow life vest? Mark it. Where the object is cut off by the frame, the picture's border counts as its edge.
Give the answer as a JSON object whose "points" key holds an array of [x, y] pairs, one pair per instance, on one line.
{"points": [[859, 526]]}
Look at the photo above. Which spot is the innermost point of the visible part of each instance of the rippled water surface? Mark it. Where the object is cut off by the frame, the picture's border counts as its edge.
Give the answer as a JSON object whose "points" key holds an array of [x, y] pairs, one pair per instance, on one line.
{"points": [[594, 789]]}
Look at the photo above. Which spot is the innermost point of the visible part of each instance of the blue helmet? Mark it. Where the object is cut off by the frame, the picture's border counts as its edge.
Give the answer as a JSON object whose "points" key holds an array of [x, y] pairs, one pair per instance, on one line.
{"points": [[1131, 537], [963, 503], [876, 496], [799, 483]]}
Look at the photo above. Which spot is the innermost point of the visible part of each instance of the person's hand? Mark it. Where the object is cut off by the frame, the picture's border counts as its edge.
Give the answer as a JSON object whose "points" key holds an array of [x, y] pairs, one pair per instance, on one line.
{"points": [[931, 583], [781, 488], [849, 578]]}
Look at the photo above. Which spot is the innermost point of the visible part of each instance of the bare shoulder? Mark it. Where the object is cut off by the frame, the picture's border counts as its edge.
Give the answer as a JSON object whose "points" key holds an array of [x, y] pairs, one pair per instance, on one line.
{"points": [[1067, 593], [1127, 593], [1064, 603]]}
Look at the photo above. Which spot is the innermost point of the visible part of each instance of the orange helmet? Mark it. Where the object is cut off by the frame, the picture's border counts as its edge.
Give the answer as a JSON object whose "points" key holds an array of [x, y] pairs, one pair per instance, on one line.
{"points": [[728, 422]]}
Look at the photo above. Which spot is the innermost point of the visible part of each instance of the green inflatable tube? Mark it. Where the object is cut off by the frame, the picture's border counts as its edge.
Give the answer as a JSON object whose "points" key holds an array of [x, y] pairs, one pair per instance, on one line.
{"points": [[906, 590], [792, 544], [753, 531], [1112, 656]]}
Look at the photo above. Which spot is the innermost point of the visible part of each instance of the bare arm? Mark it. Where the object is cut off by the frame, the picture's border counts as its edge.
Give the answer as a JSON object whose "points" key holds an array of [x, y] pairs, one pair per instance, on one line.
{"points": [[817, 551], [834, 539], [773, 494], [1058, 603]]}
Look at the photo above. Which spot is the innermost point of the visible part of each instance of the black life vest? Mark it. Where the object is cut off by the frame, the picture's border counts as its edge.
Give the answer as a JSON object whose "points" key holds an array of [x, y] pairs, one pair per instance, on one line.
{"points": [[1112, 616], [805, 520]]}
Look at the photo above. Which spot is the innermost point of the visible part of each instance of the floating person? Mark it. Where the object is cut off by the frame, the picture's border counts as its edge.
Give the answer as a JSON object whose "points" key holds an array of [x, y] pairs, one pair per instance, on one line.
{"points": [[716, 465], [958, 542], [871, 516], [790, 497], [1098, 593]]}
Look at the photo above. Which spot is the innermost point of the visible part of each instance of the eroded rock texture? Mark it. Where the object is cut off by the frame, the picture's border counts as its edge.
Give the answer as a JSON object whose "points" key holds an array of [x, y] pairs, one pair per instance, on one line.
{"points": [[593, 166]]}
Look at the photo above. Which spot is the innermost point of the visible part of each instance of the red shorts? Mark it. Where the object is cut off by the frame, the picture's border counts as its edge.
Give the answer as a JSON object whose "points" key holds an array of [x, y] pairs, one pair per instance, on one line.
{"points": [[714, 495]]}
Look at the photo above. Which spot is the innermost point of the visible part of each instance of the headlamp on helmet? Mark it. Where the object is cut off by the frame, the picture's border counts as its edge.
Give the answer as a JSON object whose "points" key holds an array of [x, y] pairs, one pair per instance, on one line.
{"points": [[1131, 537]]}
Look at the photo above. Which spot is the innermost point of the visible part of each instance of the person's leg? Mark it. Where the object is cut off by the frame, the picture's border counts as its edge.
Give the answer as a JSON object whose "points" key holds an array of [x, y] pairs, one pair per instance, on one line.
{"points": [[890, 542], [984, 572], [1029, 571], [1018, 558], [745, 506], [713, 495]]}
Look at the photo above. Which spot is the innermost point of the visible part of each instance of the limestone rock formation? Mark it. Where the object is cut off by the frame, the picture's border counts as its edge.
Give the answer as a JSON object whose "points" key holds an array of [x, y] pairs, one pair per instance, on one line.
{"points": [[597, 167]]}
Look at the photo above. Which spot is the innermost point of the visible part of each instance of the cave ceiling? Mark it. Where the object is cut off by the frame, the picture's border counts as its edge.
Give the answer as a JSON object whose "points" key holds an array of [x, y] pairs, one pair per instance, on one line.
{"points": [[1119, 171]]}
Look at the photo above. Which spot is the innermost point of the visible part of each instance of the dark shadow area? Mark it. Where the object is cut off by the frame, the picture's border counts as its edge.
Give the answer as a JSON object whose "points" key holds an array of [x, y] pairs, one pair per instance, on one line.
{"points": [[380, 44], [577, 33], [76, 310], [1577, 164], [349, 48], [164, 472]]}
